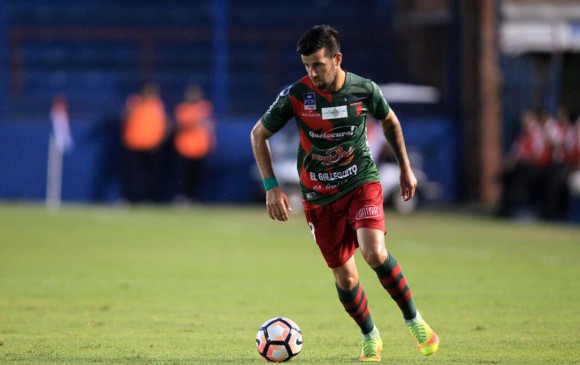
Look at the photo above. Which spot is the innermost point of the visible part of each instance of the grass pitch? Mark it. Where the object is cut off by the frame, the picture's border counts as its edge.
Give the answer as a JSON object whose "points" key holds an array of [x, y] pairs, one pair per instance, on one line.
{"points": [[155, 285]]}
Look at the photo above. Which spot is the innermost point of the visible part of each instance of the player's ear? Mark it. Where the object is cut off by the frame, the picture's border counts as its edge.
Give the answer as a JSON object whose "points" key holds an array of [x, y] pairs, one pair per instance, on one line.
{"points": [[337, 59]]}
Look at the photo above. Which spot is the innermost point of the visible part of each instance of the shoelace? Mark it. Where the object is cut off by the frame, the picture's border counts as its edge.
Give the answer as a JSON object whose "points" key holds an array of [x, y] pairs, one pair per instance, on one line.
{"points": [[370, 348], [419, 332]]}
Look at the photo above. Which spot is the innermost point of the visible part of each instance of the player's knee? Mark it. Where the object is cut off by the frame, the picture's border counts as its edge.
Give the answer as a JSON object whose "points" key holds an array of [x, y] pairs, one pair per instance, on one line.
{"points": [[347, 282], [375, 256]]}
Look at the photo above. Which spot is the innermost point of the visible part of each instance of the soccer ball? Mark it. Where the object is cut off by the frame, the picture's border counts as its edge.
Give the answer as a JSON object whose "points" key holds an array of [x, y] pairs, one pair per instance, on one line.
{"points": [[279, 339]]}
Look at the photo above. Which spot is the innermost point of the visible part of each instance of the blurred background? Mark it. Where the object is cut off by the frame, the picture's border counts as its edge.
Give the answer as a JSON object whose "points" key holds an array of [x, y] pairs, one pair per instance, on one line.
{"points": [[460, 74]]}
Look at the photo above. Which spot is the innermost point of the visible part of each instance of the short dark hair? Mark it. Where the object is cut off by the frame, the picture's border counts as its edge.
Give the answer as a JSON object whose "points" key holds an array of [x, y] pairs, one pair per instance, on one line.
{"points": [[317, 38]]}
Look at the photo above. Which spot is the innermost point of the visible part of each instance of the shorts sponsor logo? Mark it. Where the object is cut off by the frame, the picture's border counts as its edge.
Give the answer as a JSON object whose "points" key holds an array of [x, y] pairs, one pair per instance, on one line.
{"points": [[368, 211]]}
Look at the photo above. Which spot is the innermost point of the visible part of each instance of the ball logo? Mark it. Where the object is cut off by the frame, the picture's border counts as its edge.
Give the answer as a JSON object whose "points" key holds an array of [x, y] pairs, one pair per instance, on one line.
{"points": [[368, 211], [279, 339]]}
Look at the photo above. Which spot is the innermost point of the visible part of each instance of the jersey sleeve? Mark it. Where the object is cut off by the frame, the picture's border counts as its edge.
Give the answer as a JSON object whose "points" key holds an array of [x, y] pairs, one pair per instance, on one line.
{"points": [[279, 113], [379, 106]]}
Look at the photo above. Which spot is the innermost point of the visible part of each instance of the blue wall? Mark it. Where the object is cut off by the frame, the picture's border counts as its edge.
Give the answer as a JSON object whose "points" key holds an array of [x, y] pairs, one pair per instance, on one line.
{"points": [[121, 44], [434, 139], [92, 169], [96, 53]]}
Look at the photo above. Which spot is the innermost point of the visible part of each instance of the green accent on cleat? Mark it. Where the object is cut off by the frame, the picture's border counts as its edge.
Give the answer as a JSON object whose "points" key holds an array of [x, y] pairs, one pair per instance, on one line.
{"points": [[426, 339], [371, 350]]}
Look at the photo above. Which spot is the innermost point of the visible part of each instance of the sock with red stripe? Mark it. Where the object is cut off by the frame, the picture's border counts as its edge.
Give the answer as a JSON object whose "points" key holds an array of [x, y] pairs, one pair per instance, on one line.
{"points": [[356, 305], [393, 280]]}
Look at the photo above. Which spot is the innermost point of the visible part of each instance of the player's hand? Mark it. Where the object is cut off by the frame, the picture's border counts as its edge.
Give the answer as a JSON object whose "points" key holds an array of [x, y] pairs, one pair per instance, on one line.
{"points": [[408, 183], [278, 204]]}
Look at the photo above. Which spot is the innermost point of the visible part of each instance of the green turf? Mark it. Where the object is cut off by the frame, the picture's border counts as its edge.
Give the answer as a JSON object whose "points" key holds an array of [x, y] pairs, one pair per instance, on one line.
{"points": [[163, 286]]}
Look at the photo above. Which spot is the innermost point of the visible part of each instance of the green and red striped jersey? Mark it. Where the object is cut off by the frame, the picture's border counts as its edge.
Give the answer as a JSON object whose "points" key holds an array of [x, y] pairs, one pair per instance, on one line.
{"points": [[333, 156]]}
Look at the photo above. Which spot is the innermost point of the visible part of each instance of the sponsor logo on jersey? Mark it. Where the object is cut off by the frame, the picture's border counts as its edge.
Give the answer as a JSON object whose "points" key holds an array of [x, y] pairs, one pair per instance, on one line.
{"points": [[335, 134], [368, 211], [309, 114], [334, 156], [335, 112], [334, 175], [309, 101]]}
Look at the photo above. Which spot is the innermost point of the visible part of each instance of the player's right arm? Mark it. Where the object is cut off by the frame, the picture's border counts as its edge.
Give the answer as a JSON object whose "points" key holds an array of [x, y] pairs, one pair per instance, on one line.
{"points": [[277, 201]]}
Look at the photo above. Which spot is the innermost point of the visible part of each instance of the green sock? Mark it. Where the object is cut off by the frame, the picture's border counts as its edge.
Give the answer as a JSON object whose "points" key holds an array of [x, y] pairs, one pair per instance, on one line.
{"points": [[394, 282], [356, 305]]}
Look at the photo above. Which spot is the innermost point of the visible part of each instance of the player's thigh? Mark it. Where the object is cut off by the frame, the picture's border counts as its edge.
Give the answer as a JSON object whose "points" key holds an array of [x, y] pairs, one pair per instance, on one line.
{"points": [[366, 207], [332, 233], [372, 245]]}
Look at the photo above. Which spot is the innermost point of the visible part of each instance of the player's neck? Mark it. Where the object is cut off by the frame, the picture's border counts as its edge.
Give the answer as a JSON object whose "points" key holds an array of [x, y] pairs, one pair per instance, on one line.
{"points": [[338, 82]]}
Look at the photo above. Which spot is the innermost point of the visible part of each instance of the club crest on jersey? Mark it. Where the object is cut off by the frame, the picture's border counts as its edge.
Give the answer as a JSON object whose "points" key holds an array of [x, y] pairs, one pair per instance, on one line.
{"points": [[309, 101]]}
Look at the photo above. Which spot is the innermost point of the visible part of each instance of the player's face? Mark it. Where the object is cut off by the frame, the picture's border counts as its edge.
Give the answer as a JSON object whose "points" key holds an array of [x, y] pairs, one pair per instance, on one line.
{"points": [[322, 69]]}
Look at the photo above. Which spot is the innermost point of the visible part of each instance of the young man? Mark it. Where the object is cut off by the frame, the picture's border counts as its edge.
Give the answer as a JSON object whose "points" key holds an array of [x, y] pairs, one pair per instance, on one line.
{"points": [[193, 141], [144, 131], [342, 196]]}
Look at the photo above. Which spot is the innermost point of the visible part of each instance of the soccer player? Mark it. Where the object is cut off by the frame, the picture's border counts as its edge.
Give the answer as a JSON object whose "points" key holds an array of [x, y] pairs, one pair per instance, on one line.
{"points": [[342, 195]]}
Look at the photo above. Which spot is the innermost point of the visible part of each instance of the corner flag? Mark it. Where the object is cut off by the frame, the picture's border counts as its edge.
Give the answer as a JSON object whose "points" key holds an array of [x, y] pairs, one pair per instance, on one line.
{"points": [[60, 141]]}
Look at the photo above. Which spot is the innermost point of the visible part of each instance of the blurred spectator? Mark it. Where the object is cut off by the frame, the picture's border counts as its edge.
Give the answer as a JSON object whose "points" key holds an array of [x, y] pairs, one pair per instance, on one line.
{"points": [[572, 160], [572, 145], [194, 139], [538, 167], [553, 202], [523, 167], [144, 130]]}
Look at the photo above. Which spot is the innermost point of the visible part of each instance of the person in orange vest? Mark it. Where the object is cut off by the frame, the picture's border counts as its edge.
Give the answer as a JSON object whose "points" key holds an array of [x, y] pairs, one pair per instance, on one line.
{"points": [[144, 130], [194, 139]]}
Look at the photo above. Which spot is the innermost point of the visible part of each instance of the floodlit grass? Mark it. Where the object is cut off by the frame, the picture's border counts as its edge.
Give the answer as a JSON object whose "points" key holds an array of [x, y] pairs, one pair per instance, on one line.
{"points": [[155, 285]]}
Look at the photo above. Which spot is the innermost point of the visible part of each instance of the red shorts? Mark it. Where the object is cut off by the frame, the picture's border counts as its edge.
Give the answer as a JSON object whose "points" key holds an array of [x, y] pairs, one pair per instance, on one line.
{"points": [[334, 225]]}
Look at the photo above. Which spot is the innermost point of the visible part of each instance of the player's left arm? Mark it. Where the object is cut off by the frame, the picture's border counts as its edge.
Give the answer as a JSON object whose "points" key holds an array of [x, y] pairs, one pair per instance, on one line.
{"points": [[394, 135]]}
